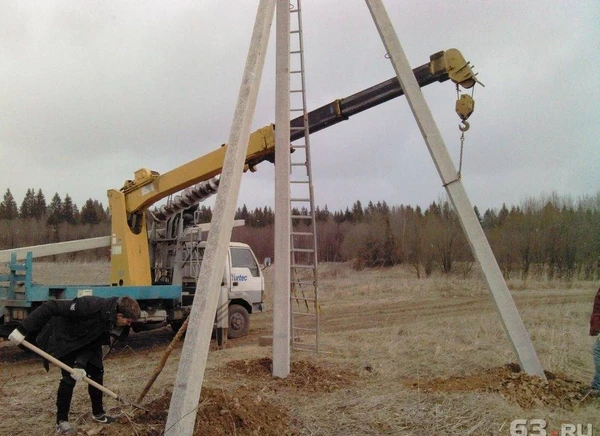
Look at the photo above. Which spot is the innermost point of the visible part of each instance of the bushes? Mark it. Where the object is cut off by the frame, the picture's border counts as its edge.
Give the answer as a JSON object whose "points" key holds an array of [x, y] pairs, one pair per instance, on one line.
{"points": [[372, 243]]}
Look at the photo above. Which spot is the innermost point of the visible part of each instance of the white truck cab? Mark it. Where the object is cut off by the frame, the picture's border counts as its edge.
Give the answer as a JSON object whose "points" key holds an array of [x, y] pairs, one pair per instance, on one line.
{"points": [[242, 287], [242, 290]]}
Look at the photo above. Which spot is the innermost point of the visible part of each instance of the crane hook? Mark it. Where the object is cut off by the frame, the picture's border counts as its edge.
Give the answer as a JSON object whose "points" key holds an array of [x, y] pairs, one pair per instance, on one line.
{"points": [[465, 126]]}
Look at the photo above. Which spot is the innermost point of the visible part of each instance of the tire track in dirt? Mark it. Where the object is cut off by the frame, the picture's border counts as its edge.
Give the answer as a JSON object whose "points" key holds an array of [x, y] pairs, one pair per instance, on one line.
{"points": [[336, 319]]}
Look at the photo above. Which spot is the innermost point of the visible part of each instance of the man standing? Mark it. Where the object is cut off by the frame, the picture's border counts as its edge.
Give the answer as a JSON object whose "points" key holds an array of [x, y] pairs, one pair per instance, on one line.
{"points": [[595, 331], [74, 332]]}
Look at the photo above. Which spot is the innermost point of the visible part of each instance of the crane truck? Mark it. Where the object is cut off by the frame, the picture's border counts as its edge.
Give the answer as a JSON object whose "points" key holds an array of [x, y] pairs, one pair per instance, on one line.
{"points": [[156, 255]]}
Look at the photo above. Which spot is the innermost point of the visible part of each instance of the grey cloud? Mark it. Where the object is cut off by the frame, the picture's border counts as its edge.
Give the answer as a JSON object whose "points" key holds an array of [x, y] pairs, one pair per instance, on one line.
{"points": [[90, 93]]}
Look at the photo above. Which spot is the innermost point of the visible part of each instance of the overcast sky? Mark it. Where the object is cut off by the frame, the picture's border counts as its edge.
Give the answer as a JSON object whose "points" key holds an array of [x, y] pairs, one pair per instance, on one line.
{"points": [[92, 91]]}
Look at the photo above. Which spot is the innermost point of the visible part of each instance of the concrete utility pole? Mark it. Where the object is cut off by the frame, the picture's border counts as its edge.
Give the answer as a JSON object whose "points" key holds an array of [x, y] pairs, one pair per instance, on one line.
{"points": [[513, 325], [281, 282], [192, 364]]}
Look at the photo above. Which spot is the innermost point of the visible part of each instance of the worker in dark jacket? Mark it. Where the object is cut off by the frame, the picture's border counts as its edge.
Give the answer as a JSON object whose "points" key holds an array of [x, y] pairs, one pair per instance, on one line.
{"points": [[74, 332]]}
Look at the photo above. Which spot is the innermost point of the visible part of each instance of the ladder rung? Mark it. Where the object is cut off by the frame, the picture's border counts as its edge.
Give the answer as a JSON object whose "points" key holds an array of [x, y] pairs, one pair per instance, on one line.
{"points": [[299, 199], [301, 233], [294, 11], [303, 282], [296, 71], [296, 110], [296, 90], [303, 266], [294, 31], [299, 146], [298, 164], [299, 346], [302, 250], [303, 299], [295, 52], [296, 128], [302, 217], [303, 328]]}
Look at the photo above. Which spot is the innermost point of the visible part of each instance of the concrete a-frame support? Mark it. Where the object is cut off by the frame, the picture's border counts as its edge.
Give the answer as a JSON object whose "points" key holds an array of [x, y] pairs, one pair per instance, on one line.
{"points": [[281, 282], [513, 325], [192, 364]]}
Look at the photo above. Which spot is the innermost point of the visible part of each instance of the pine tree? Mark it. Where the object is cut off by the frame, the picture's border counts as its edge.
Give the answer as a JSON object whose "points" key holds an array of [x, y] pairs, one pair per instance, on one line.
{"points": [[28, 205], [55, 215], [244, 214], [100, 211], [69, 210], [89, 213], [8, 207], [39, 205], [357, 212]]}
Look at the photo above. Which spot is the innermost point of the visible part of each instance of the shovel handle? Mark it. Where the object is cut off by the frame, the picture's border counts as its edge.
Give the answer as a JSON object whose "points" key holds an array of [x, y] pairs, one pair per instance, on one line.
{"points": [[68, 368]]}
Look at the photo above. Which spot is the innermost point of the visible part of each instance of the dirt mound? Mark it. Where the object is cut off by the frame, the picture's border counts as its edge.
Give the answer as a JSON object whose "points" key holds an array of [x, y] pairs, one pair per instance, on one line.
{"points": [[515, 386], [528, 391], [304, 375], [243, 412]]}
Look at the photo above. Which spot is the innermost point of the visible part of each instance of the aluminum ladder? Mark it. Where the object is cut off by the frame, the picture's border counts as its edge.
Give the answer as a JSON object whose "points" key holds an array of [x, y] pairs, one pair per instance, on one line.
{"points": [[304, 284]]}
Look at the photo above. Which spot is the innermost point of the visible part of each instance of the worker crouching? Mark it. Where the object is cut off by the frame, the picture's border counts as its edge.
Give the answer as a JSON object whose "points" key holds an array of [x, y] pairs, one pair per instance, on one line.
{"points": [[74, 332]]}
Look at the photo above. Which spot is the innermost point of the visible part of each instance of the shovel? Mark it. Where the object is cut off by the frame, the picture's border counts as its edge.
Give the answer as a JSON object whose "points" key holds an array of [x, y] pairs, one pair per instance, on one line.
{"points": [[85, 378]]}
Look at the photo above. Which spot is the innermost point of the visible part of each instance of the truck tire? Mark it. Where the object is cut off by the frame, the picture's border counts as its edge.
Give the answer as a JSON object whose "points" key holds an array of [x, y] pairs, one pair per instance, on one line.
{"points": [[239, 321], [176, 325]]}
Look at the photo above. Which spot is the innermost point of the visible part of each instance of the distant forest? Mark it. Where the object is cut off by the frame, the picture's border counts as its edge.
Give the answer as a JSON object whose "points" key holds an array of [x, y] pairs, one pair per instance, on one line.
{"points": [[549, 237]]}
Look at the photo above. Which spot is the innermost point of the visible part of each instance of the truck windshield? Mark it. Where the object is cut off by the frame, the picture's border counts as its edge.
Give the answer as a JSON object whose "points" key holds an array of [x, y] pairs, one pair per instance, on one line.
{"points": [[243, 258]]}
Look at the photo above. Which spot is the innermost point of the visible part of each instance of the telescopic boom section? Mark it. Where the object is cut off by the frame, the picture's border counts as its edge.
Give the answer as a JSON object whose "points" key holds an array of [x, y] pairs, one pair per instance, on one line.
{"points": [[130, 264], [443, 65]]}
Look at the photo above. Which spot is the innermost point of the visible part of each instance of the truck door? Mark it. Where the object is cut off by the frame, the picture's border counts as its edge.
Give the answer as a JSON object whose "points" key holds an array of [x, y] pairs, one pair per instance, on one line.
{"points": [[246, 278], [222, 316]]}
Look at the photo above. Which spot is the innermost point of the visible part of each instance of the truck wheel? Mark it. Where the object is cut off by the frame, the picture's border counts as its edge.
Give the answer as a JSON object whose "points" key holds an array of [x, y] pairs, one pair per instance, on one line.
{"points": [[176, 325], [239, 321]]}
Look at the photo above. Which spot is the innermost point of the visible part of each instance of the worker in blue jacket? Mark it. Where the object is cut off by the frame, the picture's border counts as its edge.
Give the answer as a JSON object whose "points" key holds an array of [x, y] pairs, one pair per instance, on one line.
{"points": [[74, 332]]}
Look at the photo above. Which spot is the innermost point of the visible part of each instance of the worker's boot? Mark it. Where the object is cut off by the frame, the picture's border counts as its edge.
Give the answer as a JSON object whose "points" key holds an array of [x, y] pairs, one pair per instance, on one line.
{"points": [[64, 427]]}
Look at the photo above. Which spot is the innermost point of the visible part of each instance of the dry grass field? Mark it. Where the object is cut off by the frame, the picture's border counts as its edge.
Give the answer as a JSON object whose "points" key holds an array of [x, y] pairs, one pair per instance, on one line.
{"points": [[401, 356]]}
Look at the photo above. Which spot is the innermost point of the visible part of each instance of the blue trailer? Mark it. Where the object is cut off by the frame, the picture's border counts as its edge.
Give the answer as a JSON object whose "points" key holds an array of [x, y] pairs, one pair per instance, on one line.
{"points": [[163, 303], [19, 295]]}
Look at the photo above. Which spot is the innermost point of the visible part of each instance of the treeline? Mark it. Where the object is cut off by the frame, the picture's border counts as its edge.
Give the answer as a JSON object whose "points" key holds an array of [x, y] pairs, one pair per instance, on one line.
{"points": [[545, 238], [548, 237], [36, 222], [34, 206]]}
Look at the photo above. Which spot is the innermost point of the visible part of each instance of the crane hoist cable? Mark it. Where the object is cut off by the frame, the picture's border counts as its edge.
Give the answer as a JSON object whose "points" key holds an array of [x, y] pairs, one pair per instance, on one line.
{"points": [[465, 105]]}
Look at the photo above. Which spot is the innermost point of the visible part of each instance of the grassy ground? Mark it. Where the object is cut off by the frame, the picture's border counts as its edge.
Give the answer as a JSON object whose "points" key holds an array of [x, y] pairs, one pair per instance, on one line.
{"points": [[400, 356]]}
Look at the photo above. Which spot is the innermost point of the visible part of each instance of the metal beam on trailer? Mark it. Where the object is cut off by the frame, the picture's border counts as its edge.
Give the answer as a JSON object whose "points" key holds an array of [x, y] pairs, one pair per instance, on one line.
{"points": [[513, 325], [76, 245], [56, 248]]}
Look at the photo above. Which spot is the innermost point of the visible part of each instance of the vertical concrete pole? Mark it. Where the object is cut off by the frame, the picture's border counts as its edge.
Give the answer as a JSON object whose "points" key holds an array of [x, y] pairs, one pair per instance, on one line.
{"points": [[192, 364], [513, 325], [281, 281]]}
